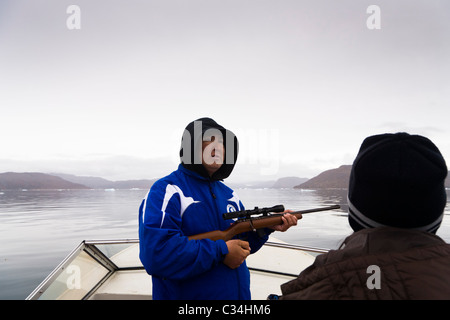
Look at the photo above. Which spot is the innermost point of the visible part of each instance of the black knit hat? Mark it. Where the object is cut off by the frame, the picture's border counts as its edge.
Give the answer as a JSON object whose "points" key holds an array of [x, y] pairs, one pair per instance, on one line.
{"points": [[397, 180], [191, 144]]}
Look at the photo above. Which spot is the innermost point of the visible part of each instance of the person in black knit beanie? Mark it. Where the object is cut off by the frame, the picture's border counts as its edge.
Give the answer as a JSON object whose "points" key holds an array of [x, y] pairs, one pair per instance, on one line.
{"points": [[397, 180], [396, 199]]}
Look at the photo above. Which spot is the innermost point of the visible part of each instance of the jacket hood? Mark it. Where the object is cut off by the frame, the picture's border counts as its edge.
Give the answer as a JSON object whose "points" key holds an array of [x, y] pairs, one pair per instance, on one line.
{"points": [[191, 147]]}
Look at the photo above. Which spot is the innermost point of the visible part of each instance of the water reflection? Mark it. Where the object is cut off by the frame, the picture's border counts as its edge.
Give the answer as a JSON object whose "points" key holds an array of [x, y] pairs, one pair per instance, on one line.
{"points": [[39, 228], [333, 196]]}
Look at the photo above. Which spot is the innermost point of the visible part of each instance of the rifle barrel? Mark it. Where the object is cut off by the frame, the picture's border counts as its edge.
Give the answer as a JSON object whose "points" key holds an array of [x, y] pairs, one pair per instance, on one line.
{"points": [[251, 224], [317, 209]]}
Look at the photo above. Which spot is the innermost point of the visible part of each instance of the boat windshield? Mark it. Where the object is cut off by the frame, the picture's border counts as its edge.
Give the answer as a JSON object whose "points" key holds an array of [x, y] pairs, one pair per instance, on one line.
{"points": [[86, 268], [112, 270]]}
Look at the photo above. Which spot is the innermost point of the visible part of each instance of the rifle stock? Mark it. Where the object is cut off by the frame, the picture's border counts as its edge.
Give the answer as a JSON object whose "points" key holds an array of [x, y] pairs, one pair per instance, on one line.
{"points": [[252, 224]]}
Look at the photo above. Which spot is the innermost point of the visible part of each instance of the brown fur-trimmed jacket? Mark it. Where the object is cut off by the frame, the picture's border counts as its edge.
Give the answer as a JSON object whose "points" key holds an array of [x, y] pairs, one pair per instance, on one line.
{"points": [[408, 265]]}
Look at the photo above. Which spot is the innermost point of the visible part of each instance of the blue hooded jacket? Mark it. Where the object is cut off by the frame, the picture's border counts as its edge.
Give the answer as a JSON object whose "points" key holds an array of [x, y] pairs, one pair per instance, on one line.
{"points": [[185, 203]]}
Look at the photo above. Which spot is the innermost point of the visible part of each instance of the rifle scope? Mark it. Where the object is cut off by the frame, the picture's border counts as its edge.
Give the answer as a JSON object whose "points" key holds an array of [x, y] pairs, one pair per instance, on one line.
{"points": [[249, 213]]}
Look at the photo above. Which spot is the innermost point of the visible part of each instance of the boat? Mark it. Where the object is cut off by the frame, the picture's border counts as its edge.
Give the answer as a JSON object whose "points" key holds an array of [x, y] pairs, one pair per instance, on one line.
{"points": [[111, 270]]}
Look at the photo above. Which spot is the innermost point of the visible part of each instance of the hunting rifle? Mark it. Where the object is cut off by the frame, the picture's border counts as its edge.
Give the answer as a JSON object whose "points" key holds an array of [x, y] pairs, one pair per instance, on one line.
{"points": [[247, 222]]}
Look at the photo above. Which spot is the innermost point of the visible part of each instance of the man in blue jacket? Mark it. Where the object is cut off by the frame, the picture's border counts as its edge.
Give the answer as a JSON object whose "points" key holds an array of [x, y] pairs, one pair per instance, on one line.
{"points": [[189, 201]]}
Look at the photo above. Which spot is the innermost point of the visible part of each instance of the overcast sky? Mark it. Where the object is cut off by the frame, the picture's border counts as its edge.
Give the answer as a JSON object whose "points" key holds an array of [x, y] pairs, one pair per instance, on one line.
{"points": [[301, 83]]}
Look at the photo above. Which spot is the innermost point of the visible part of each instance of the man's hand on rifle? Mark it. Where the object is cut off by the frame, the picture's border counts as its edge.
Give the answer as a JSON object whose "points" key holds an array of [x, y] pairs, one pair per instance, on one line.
{"points": [[238, 251], [289, 220]]}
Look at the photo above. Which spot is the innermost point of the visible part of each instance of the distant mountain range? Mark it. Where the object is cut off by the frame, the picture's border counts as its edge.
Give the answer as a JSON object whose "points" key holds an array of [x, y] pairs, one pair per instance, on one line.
{"points": [[36, 180], [286, 182], [334, 178], [100, 183], [337, 178]]}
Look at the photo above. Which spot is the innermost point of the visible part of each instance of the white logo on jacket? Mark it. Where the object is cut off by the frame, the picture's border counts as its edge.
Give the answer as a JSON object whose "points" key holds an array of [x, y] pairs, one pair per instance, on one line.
{"points": [[236, 200], [170, 191]]}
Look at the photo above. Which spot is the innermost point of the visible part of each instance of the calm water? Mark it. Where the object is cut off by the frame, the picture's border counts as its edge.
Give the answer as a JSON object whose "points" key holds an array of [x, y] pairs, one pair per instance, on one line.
{"points": [[39, 228]]}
